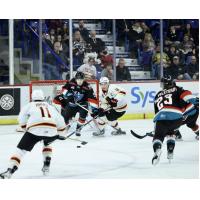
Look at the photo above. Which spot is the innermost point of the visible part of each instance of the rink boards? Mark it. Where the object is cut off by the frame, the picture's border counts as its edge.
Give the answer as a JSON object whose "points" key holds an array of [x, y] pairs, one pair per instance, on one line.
{"points": [[140, 96]]}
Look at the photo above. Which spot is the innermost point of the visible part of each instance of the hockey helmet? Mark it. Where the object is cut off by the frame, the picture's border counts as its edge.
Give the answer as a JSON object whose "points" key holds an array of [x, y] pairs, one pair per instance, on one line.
{"points": [[167, 82], [104, 80], [79, 75], [37, 95]]}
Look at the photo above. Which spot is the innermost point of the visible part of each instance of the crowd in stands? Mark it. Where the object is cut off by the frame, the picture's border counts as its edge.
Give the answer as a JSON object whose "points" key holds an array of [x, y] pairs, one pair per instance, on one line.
{"points": [[140, 38]]}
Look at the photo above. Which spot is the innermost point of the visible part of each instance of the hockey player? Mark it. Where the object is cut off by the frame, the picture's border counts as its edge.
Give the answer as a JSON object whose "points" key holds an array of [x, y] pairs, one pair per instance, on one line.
{"points": [[113, 105], [190, 117], [77, 90], [168, 106], [41, 122]]}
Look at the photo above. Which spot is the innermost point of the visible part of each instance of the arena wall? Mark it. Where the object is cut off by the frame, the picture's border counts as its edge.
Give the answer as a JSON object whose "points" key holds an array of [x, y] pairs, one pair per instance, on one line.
{"points": [[140, 97]]}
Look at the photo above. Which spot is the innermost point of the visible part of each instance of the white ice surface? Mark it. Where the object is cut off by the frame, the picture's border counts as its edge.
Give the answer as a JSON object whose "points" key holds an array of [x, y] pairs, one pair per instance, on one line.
{"points": [[123, 157]]}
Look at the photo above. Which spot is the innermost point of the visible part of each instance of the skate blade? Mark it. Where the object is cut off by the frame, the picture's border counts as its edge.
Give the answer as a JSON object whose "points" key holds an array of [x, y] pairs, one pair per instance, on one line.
{"points": [[170, 160], [45, 173], [98, 135], [157, 160]]}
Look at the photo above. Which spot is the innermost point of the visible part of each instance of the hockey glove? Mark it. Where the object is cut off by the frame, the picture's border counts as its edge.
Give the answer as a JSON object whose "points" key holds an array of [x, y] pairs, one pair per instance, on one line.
{"points": [[98, 112], [111, 101]]}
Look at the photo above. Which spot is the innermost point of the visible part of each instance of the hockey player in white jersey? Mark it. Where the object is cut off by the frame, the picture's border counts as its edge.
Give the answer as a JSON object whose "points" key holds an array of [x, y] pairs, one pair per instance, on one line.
{"points": [[41, 122], [112, 105]]}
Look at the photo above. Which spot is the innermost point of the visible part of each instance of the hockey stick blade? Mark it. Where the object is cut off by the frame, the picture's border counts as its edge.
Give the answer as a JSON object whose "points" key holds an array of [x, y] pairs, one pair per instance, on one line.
{"points": [[138, 136]]}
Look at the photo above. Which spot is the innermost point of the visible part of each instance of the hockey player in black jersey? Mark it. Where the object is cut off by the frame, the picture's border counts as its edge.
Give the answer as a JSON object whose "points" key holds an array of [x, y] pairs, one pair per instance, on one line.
{"points": [[77, 90], [190, 117], [168, 105]]}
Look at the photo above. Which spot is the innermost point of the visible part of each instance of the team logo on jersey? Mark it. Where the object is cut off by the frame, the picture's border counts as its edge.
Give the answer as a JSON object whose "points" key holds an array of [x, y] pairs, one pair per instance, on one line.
{"points": [[7, 102]]}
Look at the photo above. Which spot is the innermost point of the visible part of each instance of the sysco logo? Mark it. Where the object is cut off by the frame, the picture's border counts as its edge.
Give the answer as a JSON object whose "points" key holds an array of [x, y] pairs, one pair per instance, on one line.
{"points": [[139, 96]]}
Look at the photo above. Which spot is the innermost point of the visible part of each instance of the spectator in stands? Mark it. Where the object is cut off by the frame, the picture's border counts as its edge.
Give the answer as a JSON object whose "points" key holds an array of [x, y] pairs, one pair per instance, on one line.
{"points": [[122, 31], [83, 31], [64, 47], [97, 44], [193, 68], [88, 69], [122, 72], [172, 35], [52, 32], [78, 49], [46, 38], [106, 58], [59, 39], [173, 51], [107, 72], [135, 36], [156, 62], [89, 54], [187, 47], [193, 33], [55, 63], [177, 70], [148, 42], [65, 29], [52, 39], [145, 28]]}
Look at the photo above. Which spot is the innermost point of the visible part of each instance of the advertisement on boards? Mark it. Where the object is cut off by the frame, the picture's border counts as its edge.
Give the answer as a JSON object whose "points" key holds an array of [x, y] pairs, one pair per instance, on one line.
{"points": [[9, 101], [140, 96]]}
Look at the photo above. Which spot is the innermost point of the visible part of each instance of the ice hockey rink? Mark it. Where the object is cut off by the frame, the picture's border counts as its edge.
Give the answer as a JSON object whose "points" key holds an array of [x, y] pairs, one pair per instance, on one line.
{"points": [[107, 157]]}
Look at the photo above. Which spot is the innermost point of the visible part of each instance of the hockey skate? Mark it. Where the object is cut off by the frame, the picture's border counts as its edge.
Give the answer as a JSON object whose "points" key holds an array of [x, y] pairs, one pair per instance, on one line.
{"points": [[118, 132], [78, 130], [170, 155], [197, 137], [156, 157], [99, 132], [8, 173], [178, 136], [46, 166]]}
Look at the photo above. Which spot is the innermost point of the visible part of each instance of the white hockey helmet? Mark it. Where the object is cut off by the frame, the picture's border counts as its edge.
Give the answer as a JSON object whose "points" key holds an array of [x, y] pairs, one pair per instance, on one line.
{"points": [[37, 95], [104, 80]]}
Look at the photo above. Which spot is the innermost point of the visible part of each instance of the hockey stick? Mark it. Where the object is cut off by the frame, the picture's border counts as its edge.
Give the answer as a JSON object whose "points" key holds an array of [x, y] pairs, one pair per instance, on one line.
{"points": [[96, 123], [150, 134], [93, 118], [74, 139], [68, 137]]}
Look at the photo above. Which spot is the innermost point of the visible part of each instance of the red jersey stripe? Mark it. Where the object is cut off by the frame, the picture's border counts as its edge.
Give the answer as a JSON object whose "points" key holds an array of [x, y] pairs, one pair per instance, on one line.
{"points": [[56, 102], [173, 107], [93, 101], [185, 94]]}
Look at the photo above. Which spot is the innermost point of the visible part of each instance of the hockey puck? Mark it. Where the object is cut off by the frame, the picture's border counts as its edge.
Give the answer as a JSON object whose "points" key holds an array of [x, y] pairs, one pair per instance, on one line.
{"points": [[78, 146]]}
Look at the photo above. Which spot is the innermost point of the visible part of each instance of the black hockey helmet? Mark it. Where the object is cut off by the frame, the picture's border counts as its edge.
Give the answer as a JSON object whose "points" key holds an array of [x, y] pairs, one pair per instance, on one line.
{"points": [[167, 82], [79, 75]]}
